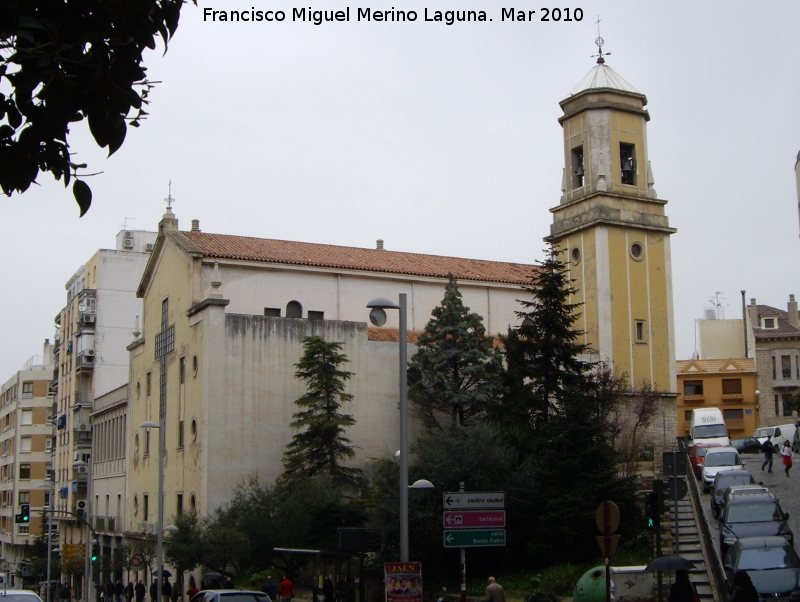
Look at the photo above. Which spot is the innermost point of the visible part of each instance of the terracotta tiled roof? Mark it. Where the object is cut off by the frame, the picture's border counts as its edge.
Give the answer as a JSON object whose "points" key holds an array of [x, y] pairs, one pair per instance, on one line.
{"points": [[783, 329], [747, 364], [225, 246], [392, 335]]}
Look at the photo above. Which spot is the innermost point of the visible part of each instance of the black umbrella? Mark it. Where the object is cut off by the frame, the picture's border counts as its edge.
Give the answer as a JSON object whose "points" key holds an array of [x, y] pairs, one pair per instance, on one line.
{"points": [[669, 563], [164, 573], [213, 577]]}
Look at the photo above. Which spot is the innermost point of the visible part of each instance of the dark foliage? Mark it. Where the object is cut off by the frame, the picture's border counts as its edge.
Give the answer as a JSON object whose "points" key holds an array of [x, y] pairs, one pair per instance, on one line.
{"points": [[69, 61], [321, 446], [455, 371]]}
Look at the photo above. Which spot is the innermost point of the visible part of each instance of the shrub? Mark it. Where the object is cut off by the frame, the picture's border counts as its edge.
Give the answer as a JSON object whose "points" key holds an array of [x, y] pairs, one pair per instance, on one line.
{"points": [[541, 595]]}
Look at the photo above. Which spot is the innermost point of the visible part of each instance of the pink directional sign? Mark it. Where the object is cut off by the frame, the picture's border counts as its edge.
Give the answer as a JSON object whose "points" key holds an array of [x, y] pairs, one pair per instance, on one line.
{"points": [[472, 519]]}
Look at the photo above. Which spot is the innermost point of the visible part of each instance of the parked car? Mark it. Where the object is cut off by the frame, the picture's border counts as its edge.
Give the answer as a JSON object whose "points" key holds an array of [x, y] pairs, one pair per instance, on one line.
{"points": [[228, 595], [718, 459], [697, 453], [757, 514], [771, 563], [732, 492], [725, 480], [18, 595], [747, 445], [779, 434]]}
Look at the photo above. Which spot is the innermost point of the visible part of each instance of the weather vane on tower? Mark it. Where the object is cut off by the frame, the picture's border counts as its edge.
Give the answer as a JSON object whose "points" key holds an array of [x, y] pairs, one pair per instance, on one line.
{"points": [[600, 41], [169, 200]]}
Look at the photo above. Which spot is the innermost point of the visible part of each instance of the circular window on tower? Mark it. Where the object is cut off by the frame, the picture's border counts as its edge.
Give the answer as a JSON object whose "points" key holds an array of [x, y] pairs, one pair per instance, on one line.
{"points": [[575, 255], [637, 251]]}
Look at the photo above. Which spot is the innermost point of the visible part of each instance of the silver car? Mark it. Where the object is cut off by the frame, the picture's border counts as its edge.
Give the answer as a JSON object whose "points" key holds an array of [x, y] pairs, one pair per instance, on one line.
{"points": [[717, 460], [228, 595]]}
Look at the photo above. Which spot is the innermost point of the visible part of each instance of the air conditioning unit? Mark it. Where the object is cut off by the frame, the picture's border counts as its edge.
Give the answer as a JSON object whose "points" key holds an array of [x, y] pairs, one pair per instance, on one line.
{"points": [[128, 243], [88, 318], [85, 428], [89, 352], [148, 247], [80, 505], [82, 470], [128, 233]]}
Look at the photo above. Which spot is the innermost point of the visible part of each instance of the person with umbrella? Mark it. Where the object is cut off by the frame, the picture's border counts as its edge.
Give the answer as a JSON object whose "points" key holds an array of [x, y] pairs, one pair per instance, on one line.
{"points": [[682, 590], [743, 588]]}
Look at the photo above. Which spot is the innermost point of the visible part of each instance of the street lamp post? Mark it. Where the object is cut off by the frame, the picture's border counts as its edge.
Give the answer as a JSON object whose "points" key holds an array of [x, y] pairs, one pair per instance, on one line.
{"points": [[378, 317], [160, 519]]}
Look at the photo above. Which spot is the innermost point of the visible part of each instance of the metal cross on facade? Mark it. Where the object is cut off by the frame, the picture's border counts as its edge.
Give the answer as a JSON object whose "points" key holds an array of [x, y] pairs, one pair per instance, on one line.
{"points": [[165, 344]]}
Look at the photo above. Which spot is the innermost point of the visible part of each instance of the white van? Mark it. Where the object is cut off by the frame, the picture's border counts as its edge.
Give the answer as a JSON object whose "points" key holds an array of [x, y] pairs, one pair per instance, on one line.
{"points": [[779, 434], [708, 426]]}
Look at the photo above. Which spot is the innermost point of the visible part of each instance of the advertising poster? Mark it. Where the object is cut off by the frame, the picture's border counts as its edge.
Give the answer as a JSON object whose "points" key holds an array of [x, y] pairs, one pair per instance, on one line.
{"points": [[403, 581]]}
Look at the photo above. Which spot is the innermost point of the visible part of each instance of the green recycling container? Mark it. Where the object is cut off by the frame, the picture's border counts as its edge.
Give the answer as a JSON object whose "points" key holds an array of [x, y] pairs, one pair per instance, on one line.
{"points": [[591, 587]]}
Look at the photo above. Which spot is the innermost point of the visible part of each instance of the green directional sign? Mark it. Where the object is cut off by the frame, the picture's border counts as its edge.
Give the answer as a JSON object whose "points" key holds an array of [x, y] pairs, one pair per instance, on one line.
{"points": [[474, 538]]}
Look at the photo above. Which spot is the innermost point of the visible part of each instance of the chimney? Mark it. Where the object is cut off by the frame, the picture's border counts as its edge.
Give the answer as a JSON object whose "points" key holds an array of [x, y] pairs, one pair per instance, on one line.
{"points": [[379, 244], [195, 225], [794, 319]]}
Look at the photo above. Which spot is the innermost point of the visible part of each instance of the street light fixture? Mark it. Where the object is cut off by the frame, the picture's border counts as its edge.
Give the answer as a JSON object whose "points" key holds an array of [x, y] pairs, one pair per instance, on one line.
{"points": [[160, 520], [378, 317]]}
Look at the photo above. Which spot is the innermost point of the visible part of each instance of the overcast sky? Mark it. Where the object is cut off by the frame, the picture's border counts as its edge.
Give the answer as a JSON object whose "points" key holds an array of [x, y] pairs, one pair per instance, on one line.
{"points": [[438, 139]]}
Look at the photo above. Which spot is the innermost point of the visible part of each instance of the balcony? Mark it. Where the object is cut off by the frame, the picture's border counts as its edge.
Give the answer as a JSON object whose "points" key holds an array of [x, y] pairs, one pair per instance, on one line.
{"points": [[86, 319], [84, 362], [107, 524]]}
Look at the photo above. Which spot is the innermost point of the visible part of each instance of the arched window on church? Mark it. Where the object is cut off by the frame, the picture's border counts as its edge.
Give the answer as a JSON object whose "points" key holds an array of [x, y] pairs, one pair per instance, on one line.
{"points": [[294, 309]]}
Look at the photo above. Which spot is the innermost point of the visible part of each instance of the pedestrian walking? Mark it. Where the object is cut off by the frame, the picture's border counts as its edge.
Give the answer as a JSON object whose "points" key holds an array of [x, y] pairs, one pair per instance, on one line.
{"points": [[190, 593], [682, 590], [494, 592], [743, 588], [788, 456], [286, 589], [271, 589], [119, 590], [166, 589], [129, 591], [64, 593], [768, 450], [139, 591], [154, 590]]}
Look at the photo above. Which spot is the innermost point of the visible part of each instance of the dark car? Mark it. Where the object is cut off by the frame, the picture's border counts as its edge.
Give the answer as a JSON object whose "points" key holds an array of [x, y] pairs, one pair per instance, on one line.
{"points": [[756, 514], [230, 595], [722, 481], [771, 563], [747, 445]]}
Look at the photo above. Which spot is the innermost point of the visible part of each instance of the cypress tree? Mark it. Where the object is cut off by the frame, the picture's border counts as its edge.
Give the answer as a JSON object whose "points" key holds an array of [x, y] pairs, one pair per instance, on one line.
{"points": [[320, 446]]}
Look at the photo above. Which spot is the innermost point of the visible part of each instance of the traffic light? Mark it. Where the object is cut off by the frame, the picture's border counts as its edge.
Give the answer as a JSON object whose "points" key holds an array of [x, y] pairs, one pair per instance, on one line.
{"points": [[648, 508], [25, 514], [94, 552], [654, 504]]}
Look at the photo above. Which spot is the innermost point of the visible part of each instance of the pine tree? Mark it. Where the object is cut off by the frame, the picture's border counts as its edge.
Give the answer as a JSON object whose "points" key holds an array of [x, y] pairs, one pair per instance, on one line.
{"points": [[320, 447], [456, 371], [543, 355]]}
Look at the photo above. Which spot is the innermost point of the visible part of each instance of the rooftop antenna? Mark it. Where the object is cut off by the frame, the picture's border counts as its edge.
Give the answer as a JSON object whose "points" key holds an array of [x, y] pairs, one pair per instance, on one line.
{"points": [[716, 301], [600, 41], [169, 200], [124, 224]]}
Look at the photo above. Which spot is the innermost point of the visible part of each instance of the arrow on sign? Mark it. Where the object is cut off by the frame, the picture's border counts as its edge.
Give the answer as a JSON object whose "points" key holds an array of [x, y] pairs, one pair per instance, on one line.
{"points": [[465, 519]]}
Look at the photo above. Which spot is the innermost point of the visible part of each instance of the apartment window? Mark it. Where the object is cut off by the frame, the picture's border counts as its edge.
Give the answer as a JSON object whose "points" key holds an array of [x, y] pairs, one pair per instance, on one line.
{"points": [[180, 434], [24, 497], [27, 417], [687, 414], [48, 472], [774, 369], [147, 442], [27, 389], [627, 161], [48, 444], [145, 506], [23, 529], [24, 471], [731, 386], [182, 370], [770, 323], [640, 331], [148, 383], [180, 504], [316, 315], [692, 387], [786, 367], [733, 414], [47, 500], [272, 312], [25, 445], [787, 408]]}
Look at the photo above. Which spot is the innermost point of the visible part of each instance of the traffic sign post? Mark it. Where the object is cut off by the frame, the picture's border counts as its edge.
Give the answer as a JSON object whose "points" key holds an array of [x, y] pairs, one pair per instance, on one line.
{"points": [[471, 520]]}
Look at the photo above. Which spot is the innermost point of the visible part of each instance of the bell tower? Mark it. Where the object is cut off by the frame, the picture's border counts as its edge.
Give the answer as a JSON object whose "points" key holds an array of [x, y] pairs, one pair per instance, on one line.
{"points": [[614, 230]]}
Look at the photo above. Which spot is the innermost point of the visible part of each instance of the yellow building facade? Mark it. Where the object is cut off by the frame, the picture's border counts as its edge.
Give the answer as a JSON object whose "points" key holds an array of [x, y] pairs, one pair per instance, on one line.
{"points": [[727, 384], [614, 232]]}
